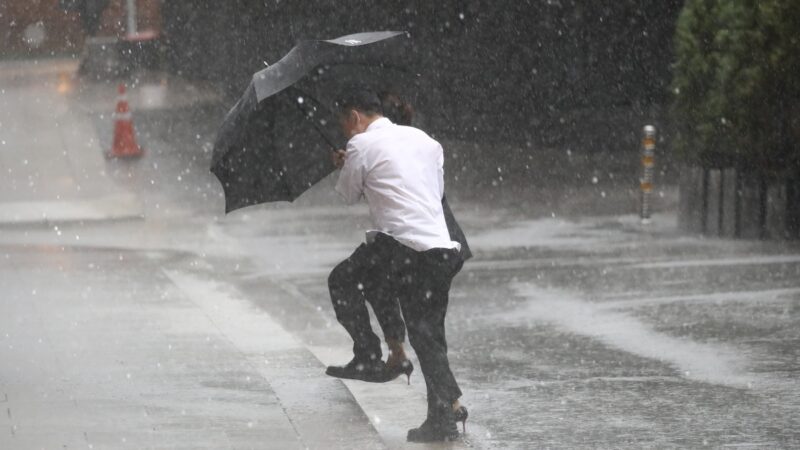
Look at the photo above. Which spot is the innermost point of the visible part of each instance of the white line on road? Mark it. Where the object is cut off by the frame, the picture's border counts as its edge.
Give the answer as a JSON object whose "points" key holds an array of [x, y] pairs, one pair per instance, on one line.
{"points": [[761, 296], [750, 260], [713, 363]]}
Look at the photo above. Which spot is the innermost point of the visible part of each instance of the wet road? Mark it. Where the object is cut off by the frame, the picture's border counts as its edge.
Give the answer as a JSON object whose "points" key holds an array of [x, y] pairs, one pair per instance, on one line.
{"points": [[600, 335], [565, 333]]}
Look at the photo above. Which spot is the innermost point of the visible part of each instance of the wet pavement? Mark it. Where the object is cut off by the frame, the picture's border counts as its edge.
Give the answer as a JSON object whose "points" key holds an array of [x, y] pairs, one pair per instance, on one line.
{"points": [[57, 175], [597, 333], [565, 330]]}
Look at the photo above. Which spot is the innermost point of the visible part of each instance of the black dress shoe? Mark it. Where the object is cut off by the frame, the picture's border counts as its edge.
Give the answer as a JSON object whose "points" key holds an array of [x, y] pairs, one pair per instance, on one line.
{"points": [[371, 371], [438, 428]]}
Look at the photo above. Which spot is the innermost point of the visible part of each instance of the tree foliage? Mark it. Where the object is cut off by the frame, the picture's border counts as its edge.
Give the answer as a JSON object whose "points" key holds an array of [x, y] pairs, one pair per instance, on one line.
{"points": [[735, 84]]}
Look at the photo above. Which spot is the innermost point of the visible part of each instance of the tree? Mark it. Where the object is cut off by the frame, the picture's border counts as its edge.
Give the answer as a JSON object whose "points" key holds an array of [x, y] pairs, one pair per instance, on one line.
{"points": [[735, 84]]}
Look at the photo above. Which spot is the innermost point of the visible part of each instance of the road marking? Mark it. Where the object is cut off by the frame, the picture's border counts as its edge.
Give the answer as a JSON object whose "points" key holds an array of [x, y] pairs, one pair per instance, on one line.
{"points": [[767, 295], [712, 363], [750, 260]]}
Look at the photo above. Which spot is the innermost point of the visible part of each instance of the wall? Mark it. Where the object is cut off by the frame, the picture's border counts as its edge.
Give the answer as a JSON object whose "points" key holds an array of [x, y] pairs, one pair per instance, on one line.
{"points": [[734, 203]]}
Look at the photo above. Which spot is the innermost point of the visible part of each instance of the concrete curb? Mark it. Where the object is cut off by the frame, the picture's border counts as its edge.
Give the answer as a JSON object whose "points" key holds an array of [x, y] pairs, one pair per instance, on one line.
{"points": [[294, 374], [107, 208]]}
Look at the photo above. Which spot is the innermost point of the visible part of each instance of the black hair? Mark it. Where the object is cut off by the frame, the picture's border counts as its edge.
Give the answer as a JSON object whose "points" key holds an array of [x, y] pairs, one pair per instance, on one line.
{"points": [[396, 109], [360, 98]]}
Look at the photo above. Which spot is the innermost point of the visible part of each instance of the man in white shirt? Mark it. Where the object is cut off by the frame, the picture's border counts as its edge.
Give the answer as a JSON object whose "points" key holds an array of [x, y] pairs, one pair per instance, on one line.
{"points": [[407, 258]]}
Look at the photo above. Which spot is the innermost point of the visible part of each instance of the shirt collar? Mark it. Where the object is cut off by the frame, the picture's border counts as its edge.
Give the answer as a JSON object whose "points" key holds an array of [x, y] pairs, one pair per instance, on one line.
{"points": [[379, 123]]}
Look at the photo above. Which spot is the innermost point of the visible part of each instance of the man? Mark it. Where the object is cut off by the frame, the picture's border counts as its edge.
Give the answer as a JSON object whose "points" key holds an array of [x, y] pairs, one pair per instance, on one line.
{"points": [[408, 258]]}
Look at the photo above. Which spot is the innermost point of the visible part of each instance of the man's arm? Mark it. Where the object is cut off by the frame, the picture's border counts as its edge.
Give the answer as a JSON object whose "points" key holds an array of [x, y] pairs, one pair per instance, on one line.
{"points": [[351, 177]]}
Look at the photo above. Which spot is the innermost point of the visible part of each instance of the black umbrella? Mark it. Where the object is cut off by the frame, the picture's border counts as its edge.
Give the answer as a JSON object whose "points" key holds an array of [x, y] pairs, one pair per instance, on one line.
{"points": [[275, 142]]}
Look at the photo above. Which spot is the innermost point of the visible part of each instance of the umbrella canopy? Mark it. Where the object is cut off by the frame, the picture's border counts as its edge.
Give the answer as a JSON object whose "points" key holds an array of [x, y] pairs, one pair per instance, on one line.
{"points": [[275, 142]]}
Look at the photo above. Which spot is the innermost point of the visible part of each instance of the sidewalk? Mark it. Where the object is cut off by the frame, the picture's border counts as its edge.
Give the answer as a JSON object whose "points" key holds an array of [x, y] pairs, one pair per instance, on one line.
{"points": [[53, 168], [122, 334], [94, 359]]}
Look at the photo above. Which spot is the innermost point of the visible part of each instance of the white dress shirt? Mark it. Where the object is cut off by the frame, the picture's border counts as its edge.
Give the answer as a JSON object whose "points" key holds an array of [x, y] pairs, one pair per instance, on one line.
{"points": [[400, 171]]}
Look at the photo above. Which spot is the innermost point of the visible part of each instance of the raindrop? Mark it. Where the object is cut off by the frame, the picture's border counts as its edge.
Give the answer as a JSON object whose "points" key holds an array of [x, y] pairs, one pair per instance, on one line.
{"points": [[300, 100]]}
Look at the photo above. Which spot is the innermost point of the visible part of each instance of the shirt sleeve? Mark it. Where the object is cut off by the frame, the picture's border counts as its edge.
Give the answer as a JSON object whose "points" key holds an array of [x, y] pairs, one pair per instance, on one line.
{"points": [[351, 177], [440, 171]]}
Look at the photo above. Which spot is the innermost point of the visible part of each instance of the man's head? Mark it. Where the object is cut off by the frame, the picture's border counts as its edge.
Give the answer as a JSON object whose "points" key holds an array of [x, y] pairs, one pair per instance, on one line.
{"points": [[357, 107]]}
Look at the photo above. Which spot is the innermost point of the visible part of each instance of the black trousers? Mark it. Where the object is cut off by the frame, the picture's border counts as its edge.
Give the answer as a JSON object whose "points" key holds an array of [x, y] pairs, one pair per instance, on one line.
{"points": [[389, 276]]}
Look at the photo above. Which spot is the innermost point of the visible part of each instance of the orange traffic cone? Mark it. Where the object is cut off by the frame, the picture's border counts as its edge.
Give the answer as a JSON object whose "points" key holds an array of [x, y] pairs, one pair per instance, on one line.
{"points": [[125, 145]]}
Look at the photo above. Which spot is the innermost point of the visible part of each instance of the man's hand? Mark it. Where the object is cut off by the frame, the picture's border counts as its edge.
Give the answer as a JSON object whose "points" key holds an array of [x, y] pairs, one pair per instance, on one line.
{"points": [[338, 158]]}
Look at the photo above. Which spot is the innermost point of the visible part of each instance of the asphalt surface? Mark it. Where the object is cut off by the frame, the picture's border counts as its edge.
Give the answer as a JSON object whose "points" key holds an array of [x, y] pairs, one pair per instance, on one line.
{"points": [[566, 330]]}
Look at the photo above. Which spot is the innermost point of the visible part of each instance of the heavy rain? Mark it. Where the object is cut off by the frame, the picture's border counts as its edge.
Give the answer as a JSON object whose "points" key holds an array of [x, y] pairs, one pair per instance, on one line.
{"points": [[199, 199]]}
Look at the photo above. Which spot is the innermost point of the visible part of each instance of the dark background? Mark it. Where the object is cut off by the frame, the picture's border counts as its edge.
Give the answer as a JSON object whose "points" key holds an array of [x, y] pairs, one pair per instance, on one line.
{"points": [[526, 73]]}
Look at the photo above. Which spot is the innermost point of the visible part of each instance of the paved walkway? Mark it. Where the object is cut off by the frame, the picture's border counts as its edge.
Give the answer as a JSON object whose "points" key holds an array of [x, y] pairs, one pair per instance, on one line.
{"points": [[130, 344], [92, 356], [52, 162]]}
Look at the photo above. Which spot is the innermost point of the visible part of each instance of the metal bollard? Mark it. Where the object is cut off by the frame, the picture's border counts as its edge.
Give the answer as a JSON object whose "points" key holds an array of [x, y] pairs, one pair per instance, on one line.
{"points": [[648, 165], [131, 7]]}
